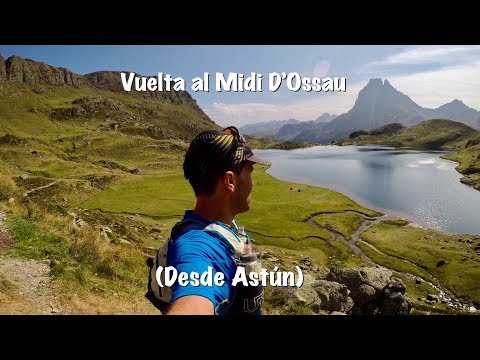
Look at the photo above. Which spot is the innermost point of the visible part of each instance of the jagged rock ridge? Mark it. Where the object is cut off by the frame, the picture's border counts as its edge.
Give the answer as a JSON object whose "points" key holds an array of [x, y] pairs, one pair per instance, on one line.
{"points": [[17, 69], [33, 72]]}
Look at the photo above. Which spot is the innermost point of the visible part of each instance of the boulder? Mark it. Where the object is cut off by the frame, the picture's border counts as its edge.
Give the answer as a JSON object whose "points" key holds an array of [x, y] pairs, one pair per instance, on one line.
{"points": [[395, 285], [365, 284], [333, 296], [395, 304], [378, 278], [349, 277], [372, 290], [364, 295], [304, 296]]}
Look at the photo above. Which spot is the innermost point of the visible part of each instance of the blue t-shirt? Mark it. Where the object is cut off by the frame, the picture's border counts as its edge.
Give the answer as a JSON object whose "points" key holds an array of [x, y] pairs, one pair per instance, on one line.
{"points": [[194, 250]]}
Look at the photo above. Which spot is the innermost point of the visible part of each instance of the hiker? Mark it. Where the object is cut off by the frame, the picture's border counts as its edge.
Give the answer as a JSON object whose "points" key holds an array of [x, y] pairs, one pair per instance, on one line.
{"points": [[218, 165]]}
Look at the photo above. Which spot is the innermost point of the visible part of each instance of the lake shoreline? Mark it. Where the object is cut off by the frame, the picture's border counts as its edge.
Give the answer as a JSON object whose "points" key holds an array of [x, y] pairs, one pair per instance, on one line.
{"points": [[390, 214], [417, 185]]}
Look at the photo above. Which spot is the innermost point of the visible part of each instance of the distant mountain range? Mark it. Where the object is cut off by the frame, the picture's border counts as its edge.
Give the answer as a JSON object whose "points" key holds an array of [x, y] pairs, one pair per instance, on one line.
{"points": [[266, 128], [377, 104], [272, 128]]}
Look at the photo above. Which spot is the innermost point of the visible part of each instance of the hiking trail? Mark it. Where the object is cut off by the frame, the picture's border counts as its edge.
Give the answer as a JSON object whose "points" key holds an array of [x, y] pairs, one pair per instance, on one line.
{"points": [[25, 286]]}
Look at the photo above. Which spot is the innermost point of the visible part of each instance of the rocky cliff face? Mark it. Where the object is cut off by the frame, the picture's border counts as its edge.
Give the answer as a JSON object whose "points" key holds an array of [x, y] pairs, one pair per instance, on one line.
{"points": [[111, 80], [17, 69], [33, 72], [3, 71]]}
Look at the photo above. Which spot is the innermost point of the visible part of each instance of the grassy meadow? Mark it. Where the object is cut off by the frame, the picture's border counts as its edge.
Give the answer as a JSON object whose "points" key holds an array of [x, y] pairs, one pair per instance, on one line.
{"points": [[91, 183], [460, 272]]}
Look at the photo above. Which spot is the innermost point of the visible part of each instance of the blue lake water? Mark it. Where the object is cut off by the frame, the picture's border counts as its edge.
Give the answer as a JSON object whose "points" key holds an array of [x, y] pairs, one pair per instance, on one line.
{"points": [[418, 185]]}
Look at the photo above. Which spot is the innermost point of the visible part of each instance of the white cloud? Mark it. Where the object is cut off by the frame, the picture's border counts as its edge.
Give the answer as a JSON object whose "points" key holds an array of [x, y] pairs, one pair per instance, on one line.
{"points": [[430, 54], [437, 87], [303, 110]]}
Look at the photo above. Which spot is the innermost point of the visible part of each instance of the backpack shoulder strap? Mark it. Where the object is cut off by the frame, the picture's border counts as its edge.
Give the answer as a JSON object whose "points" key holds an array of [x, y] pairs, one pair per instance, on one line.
{"points": [[160, 297], [179, 225], [234, 240]]}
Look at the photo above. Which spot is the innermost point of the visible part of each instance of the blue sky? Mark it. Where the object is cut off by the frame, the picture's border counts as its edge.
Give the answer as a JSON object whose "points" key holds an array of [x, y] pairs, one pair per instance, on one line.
{"points": [[430, 75]]}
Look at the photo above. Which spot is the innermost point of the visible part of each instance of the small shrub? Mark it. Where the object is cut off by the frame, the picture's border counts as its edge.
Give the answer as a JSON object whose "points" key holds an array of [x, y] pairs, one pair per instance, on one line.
{"points": [[8, 188]]}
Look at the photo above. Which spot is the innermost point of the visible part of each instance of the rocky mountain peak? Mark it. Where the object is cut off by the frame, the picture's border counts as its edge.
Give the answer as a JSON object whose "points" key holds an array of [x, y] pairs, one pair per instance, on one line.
{"points": [[387, 85], [377, 86], [378, 104], [381, 94], [375, 83], [457, 108], [325, 117]]}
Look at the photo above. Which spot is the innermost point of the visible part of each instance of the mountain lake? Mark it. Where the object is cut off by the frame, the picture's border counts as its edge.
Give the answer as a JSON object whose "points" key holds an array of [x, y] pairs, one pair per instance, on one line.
{"points": [[417, 185]]}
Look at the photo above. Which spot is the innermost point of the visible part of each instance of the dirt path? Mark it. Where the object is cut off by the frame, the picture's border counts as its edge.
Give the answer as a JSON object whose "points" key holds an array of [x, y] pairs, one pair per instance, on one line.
{"points": [[43, 187], [25, 286], [367, 223]]}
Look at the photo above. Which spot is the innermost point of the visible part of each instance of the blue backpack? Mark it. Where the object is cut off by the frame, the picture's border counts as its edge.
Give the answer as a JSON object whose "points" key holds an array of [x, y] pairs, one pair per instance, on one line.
{"points": [[160, 296]]}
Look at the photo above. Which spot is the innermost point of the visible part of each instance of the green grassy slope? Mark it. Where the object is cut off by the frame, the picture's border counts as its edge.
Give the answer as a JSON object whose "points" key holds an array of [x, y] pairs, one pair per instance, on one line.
{"points": [[81, 140], [437, 134], [426, 248], [429, 134]]}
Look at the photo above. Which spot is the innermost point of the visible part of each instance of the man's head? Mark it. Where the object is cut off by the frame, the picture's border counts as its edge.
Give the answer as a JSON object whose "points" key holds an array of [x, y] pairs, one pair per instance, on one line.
{"points": [[216, 158]]}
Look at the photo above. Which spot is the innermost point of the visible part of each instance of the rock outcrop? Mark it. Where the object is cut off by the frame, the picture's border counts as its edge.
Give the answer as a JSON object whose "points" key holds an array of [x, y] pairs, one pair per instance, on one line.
{"points": [[111, 80], [34, 72], [17, 69], [333, 296], [366, 291], [373, 290], [3, 71]]}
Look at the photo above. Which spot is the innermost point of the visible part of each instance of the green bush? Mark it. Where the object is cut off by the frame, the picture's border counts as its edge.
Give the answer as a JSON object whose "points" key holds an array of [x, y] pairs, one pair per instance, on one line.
{"points": [[8, 188]]}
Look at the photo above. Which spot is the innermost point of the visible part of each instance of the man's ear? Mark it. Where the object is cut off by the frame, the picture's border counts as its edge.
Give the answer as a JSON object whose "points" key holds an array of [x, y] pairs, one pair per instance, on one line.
{"points": [[228, 181]]}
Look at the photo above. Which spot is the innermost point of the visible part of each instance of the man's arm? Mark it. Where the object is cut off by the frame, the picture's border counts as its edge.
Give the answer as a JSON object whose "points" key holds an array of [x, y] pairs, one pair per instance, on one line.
{"points": [[190, 305]]}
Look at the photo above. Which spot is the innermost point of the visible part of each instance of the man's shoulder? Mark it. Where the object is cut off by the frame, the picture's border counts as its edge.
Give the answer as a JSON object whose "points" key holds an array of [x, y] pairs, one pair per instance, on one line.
{"points": [[195, 235], [211, 236]]}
